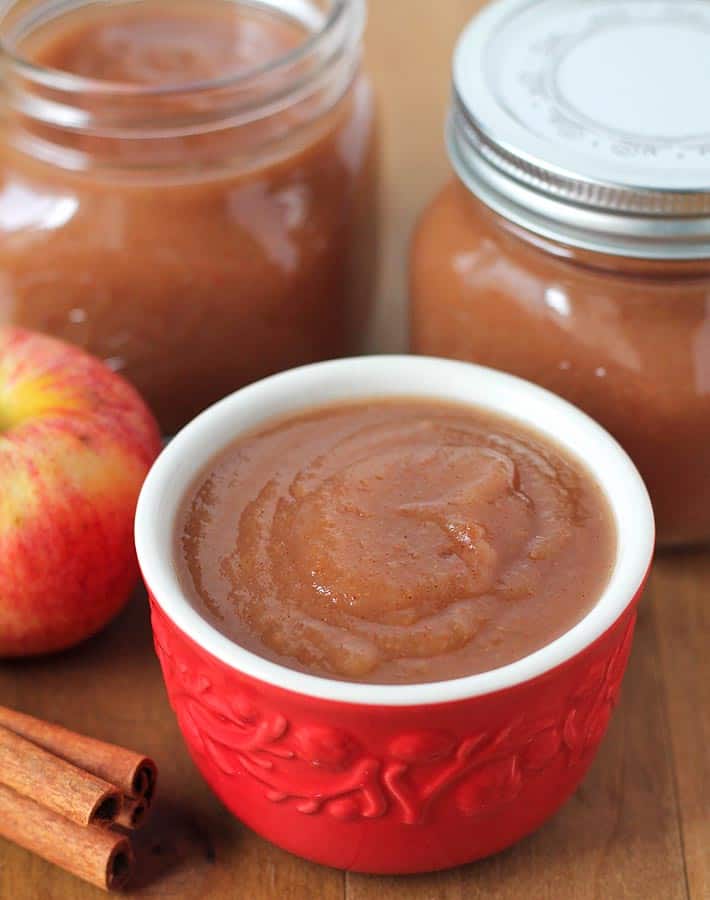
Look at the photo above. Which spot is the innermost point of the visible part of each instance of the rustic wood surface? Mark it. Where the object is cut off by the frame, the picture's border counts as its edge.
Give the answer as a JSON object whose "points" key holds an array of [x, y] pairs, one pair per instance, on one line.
{"points": [[637, 828]]}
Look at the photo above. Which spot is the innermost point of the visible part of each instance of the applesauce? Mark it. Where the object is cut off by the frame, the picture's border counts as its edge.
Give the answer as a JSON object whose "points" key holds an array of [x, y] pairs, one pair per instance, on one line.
{"points": [[627, 341], [188, 189], [572, 247], [394, 541]]}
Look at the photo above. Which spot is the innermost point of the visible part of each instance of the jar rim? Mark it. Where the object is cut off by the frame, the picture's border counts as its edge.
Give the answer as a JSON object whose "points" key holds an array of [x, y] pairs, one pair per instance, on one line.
{"points": [[348, 14], [559, 123], [629, 235]]}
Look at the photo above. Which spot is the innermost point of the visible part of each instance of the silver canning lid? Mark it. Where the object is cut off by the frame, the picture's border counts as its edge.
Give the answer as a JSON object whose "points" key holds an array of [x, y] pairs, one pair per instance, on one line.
{"points": [[588, 121]]}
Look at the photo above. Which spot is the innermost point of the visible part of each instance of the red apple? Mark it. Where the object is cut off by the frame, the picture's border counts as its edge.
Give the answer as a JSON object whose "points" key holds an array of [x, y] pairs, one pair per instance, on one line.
{"points": [[76, 442]]}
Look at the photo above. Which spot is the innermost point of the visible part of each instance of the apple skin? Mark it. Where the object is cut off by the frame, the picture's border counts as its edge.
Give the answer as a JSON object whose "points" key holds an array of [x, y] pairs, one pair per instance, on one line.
{"points": [[76, 442]]}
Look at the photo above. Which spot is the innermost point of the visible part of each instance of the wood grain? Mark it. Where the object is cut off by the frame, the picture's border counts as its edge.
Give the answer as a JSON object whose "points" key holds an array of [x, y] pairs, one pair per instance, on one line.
{"points": [[409, 46], [637, 828], [680, 600]]}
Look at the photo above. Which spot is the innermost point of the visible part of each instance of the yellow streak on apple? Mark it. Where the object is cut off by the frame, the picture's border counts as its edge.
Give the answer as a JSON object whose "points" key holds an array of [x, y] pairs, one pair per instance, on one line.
{"points": [[30, 398], [90, 472]]}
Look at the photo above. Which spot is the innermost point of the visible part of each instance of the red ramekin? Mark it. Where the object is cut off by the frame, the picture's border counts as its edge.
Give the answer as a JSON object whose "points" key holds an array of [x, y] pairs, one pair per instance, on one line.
{"points": [[393, 778]]}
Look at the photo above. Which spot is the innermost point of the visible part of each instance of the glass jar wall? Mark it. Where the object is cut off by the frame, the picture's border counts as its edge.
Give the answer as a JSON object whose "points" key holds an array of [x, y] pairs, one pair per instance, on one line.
{"points": [[572, 246], [628, 341], [188, 189]]}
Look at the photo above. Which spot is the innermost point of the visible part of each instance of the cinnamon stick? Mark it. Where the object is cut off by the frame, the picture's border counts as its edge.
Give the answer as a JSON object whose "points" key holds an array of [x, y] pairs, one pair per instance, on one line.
{"points": [[96, 855], [33, 772], [132, 773], [133, 813]]}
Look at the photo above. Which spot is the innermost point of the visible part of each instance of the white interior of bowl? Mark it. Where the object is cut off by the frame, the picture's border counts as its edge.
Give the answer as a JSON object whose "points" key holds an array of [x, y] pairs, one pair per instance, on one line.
{"points": [[382, 376]]}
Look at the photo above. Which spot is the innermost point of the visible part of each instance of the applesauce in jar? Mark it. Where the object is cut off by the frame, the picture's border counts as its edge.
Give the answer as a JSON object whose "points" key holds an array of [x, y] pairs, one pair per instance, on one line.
{"points": [[188, 189], [395, 540], [572, 247]]}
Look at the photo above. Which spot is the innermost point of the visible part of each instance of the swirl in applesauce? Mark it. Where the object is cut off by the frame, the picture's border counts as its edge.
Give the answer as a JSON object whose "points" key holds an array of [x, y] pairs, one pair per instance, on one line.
{"points": [[395, 541]]}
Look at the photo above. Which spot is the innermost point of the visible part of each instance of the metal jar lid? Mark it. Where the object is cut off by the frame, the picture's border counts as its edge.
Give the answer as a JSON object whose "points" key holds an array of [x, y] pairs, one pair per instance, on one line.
{"points": [[588, 121]]}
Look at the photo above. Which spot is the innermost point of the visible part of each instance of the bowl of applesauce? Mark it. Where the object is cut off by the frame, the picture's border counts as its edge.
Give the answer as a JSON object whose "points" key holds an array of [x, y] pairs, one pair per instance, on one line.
{"points": [[393, 599]]}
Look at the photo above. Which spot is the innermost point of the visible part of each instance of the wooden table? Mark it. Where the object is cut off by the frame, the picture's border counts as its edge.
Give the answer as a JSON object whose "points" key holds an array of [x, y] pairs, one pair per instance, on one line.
{"points": [[637, 828]]}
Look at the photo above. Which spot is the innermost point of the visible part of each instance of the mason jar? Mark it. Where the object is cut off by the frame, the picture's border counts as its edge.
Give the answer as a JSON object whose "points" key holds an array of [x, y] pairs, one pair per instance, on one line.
{"points": [[572, 245], [188, 189]]}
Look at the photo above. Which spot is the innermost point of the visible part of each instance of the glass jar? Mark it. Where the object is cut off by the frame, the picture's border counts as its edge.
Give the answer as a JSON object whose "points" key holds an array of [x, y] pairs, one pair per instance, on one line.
{"points": [[188, 190], [572, 248]]}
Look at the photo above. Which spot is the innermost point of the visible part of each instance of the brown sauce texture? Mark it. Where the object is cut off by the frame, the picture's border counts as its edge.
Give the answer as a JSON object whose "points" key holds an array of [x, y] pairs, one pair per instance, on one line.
{"points": [[198, 259], [394, 541], [626, 340]]}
